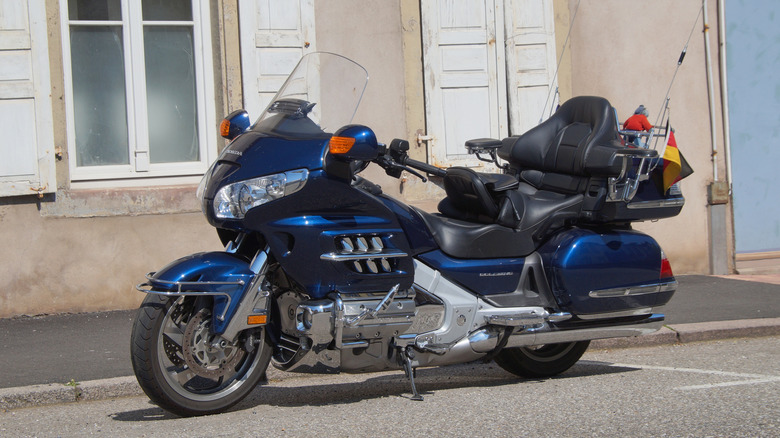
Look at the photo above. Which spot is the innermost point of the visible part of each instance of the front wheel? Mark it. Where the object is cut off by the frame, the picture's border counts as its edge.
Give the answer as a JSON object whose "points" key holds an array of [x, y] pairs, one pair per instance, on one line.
{"points": [[184, 368], [541, 360]]}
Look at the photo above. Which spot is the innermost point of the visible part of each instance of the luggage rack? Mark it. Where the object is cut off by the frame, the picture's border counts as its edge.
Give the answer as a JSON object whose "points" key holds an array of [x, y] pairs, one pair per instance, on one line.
{"points": [[625, 186]]}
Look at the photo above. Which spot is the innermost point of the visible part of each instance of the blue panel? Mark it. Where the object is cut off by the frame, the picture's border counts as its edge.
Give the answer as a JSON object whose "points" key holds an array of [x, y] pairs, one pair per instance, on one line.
{"points": [[753, 29], [579, 261], [481, 276]]}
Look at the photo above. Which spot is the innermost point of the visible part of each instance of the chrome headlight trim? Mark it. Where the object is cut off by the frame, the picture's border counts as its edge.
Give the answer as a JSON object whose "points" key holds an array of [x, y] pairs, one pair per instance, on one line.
{"points": [[234, 200]]}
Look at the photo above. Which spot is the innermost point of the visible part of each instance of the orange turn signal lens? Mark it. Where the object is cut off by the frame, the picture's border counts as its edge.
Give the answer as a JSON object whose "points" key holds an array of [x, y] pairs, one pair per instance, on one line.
{"points": [[256, 319], [224, 128], [341, 145]]}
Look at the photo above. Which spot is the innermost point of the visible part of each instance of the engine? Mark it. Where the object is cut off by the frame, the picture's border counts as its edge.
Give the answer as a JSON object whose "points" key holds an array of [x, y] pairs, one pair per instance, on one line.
{"points": [[352, 332]]}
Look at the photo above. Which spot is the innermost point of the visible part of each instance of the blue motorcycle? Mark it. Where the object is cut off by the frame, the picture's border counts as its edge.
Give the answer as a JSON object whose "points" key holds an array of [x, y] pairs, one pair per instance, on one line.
{"points": [[322, 272]]}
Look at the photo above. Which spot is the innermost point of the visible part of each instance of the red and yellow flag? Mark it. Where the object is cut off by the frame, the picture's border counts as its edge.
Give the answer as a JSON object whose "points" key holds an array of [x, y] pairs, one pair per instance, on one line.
{"points": [[675, 166]]}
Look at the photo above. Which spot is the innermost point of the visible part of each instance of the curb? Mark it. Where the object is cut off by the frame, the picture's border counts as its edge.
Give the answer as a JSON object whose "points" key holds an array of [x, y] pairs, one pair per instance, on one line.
{"points": [[55, 393]]}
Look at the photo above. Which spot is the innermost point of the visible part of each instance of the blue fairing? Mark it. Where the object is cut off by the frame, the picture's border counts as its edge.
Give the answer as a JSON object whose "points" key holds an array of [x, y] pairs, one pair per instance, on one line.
{"points": [[254, 154], [304, 229], [481, 276], [208, 267], [420, 239]]}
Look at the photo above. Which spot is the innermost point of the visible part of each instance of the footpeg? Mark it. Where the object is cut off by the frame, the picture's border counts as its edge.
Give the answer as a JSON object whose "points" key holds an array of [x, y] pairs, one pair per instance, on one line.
{"points": [[519, 319], [429, 347], [407, 354]]}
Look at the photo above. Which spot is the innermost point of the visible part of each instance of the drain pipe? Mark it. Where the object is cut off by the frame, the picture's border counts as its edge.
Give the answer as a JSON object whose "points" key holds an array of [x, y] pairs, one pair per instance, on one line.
{"points": [[711, 88], [724, 92], [718, 191], [724, 96]]}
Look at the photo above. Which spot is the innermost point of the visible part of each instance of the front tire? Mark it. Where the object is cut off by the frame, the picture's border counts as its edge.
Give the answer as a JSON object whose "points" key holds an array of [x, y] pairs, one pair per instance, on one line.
{"points": [[179, 367], [541, 361]]}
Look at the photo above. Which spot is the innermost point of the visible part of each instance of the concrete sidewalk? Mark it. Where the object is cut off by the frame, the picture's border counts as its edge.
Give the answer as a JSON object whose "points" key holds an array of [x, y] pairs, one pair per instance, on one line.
{"points": [[91, 351]]}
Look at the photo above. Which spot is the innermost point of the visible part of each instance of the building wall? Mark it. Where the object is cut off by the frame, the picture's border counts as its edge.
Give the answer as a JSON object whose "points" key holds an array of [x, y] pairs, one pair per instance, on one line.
{"points": [[83, 250], [371, 36], [627, 51]]}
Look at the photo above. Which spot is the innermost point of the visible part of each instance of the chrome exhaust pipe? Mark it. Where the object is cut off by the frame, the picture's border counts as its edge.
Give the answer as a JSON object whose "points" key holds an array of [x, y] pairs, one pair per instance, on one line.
{"points": [[551, 335]]}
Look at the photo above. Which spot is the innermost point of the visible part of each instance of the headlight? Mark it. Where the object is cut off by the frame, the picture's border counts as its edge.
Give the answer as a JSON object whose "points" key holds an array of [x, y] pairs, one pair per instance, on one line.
{"points": [[234, 200]]}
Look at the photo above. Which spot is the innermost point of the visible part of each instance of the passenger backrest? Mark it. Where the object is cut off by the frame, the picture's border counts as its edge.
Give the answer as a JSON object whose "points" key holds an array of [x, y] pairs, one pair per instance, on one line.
{"points": [[563, 152]]}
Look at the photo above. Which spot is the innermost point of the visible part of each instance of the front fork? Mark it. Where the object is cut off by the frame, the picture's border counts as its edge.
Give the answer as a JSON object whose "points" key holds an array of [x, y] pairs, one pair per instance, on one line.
{"points": [[254, 305]]}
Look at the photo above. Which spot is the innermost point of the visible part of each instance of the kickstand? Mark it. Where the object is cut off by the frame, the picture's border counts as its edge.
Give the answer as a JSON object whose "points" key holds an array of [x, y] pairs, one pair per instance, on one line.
{"points": [[407, 354]]}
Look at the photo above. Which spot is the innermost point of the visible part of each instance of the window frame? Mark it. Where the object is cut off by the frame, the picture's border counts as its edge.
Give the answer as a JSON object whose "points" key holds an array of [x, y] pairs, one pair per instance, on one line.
{"points": [[139, 166]]}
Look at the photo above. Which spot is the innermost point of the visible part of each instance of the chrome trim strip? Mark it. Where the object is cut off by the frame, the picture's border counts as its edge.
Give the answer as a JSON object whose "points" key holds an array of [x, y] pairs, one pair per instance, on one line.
{"points": [[631, 291], [386, 254], [677, 202], [618, 314], [355, 344]]}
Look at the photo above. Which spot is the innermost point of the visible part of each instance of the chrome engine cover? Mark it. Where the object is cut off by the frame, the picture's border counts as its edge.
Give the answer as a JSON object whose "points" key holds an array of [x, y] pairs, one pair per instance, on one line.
{"points": [[323, 328]]}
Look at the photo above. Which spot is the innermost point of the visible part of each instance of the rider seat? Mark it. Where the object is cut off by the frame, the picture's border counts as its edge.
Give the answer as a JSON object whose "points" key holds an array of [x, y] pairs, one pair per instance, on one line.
{"points": [[558, 175]]}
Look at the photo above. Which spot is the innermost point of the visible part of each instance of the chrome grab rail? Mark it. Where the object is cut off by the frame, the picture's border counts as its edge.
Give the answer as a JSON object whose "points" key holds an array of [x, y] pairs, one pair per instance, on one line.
{"points": [[181, 289]]}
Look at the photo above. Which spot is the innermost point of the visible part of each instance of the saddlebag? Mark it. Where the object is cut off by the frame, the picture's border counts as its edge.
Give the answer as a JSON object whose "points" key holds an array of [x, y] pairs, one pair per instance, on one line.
{"points": [[601, 273]]}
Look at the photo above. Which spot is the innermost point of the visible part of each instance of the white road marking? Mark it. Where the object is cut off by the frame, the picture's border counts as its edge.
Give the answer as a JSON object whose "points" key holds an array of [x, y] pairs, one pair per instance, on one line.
{"points": [[735, 383], [753, 378]]}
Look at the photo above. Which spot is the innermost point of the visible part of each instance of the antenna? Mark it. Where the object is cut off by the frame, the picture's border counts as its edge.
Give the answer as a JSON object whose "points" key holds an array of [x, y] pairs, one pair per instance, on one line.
{"points": [[665, 103]]}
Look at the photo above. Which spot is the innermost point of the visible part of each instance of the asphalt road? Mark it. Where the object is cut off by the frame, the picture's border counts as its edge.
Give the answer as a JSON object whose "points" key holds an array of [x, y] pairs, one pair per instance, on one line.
{"points": [[719, 388], [90, 346]]}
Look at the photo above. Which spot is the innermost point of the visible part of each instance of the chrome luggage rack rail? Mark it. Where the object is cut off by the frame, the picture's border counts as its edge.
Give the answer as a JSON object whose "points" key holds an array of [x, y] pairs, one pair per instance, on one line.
{"points": [[189, 288], [624, 187]]}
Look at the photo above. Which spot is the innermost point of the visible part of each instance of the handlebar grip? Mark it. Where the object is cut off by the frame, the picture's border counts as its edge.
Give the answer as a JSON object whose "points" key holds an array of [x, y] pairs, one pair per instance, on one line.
{"points": [[425, 167]]}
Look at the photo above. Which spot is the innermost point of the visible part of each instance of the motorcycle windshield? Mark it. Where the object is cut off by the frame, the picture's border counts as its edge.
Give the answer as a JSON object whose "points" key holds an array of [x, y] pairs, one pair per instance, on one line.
{"points": [[320, 95]]}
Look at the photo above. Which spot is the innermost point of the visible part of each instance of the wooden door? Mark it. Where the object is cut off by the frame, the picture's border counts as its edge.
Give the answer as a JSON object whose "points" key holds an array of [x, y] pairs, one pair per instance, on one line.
{"points": [[464, 77], [274, 36], [27, 144]]}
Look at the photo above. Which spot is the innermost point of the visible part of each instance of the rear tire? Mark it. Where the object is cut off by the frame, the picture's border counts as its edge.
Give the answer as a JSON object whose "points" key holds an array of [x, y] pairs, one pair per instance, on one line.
{"points": [[541, 361], [178, 367]]}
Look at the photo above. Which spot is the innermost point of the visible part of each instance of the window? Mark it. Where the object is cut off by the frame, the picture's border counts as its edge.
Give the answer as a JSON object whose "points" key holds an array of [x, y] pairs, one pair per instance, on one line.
{"points": [[138, 86]]}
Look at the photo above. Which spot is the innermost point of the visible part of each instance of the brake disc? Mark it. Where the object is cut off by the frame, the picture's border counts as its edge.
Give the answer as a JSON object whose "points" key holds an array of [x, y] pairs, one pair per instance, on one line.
{"points": [[204, 358]]}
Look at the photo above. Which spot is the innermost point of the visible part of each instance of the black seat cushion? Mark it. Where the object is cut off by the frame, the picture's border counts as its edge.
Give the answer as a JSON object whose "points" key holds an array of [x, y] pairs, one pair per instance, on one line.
{"points": [[543, 208], [474, 196], [468, 240], [561, 154]]}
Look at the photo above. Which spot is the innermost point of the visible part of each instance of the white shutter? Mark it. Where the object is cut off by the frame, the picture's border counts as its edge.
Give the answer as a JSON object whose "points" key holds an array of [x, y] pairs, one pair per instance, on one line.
{"points": [[464, 76], [530, 55], [27, 142], [274, 36]]}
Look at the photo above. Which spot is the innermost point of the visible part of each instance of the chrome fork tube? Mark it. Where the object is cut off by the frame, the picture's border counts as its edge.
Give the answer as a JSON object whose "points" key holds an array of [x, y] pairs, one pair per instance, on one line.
{"points": [[255, 301]]}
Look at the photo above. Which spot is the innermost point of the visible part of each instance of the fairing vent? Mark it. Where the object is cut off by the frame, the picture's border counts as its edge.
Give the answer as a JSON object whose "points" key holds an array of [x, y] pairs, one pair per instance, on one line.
{"points": [[364, 254]]}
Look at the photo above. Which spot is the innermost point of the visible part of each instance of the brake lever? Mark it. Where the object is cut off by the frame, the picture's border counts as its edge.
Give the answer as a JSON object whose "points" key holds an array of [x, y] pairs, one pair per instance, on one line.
{"points": [[413, 172], [391, 167]]}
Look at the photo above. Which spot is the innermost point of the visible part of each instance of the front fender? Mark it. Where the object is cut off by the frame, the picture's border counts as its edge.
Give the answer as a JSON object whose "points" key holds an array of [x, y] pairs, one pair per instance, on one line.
{"points": [[222, 275]]}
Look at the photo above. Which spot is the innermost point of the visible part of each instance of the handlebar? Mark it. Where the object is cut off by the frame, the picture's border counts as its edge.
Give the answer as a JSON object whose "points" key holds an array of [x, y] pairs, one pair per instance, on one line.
{"points": [[395, 160], [425, 167]]}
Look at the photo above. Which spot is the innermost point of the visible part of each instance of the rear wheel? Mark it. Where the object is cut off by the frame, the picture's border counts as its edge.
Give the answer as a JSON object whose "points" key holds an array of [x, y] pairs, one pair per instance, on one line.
{"points": [[541, 360], [184, 368]]}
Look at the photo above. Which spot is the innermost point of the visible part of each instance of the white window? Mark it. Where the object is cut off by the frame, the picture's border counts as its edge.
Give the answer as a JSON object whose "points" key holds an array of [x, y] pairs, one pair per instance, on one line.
{"points": [[139, 88]]}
